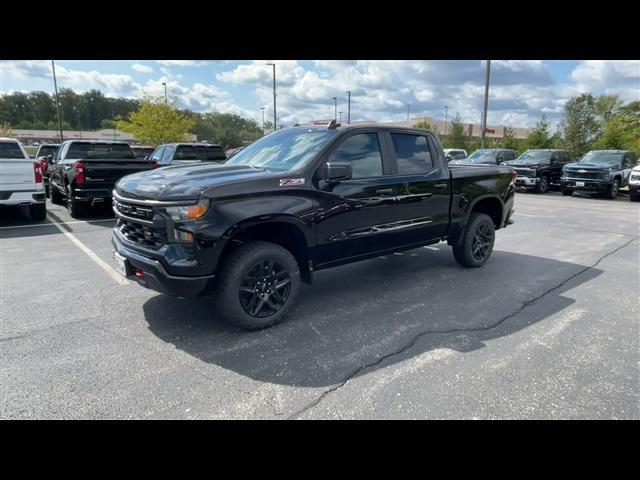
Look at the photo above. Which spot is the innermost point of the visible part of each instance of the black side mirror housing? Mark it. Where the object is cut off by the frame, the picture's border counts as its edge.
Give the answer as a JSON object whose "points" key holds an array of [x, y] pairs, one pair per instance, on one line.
{"points": [[335, 172]]}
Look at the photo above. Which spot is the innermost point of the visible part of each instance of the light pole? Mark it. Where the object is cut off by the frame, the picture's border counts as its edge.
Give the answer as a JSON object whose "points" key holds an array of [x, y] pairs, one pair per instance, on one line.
{"points": [[408, 105], [486, 102], [274, 96], [335, 105], [165, 93], [446, 119], [340, 117], [55, 86], [349, 107], [262, 108]]}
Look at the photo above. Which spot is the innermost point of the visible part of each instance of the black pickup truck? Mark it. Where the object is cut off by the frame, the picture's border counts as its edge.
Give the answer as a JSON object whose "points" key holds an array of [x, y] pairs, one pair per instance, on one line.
{"points": [[300, 200], [84, 172], [539, 169]]}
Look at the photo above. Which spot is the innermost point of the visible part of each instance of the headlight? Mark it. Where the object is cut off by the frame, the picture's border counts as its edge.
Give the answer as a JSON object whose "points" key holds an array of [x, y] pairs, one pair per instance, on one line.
{"points": [[188, 212]]}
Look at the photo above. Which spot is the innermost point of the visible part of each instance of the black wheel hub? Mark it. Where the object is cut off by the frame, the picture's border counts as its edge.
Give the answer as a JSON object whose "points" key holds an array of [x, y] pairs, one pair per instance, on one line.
{"points": [[265, 288], [482, 241]]}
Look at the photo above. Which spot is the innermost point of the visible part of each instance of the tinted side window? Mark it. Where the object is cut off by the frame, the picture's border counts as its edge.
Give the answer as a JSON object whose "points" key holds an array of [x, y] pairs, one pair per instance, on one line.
{"points": [[362, 151], [157, 155], [412, 152]]}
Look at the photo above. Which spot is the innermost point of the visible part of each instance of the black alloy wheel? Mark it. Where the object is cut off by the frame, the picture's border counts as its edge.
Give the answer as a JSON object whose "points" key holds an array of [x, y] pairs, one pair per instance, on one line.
{"points": [[265, 288]]}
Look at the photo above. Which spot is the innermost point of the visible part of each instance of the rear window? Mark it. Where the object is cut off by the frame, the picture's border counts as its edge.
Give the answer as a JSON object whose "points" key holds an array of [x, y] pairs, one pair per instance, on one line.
{"points": [[10, 150], [100, 150], [412, 152], [142, 152], [192, 152]]}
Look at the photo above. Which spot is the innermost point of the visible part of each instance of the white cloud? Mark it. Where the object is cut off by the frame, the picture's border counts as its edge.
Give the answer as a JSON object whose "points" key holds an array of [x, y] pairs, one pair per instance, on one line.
{"points": [[140, 68], [614, 77], [181, 63]]}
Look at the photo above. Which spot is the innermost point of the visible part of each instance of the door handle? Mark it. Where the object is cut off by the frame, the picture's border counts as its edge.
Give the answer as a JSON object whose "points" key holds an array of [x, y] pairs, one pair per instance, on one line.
{"points": [[385, 191]]}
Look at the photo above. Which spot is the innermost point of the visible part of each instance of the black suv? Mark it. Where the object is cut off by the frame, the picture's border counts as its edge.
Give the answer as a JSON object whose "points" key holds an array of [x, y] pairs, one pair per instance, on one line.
{"points": [[489, 156], [539, 169]]}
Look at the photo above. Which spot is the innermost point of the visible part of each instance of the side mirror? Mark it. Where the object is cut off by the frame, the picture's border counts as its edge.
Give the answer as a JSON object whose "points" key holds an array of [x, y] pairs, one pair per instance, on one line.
{"points": [[50, 159], [448, 158], [147, 157], [334, 172]]}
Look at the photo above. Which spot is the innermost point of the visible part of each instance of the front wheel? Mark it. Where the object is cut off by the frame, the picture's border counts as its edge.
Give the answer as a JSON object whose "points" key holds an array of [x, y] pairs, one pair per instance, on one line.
{"points": [[567, 192], [257, 284], [542, 185], [612, 194], [476, 245], [634, 197]]}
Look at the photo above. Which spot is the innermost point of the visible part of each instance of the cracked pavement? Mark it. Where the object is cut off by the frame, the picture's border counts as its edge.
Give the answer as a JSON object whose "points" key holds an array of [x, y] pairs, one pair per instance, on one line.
{"points": [[548, 328]]}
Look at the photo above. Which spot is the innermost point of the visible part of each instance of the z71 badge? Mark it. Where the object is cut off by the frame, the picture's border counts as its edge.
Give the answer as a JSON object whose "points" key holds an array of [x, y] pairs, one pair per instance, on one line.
{"points": [[287, 182]]}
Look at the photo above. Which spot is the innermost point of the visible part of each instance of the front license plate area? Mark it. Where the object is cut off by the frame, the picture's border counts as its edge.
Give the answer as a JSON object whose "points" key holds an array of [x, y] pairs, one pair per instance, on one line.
{"points": [[579, 184], [120, 263]]}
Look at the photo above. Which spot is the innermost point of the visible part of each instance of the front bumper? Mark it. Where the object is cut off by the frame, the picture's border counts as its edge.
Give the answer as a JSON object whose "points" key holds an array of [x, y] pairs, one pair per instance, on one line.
{"points": [[587, 184], [151, 274], [526, 182], [634, 187]]}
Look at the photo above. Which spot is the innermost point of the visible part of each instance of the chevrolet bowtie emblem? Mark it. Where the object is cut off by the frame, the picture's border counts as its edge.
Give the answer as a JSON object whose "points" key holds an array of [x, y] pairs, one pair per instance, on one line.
{"points": [[582, 171]]}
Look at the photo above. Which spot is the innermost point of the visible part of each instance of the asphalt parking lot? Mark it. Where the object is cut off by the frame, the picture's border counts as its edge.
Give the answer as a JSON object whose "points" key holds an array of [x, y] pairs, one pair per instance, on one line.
{"points": [[548, 328]]}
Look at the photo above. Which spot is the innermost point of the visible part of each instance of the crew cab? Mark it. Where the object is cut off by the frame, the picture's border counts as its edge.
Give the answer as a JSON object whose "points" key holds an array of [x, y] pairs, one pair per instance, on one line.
{"points": [[44, 155], [598, 171], [634, 184], [538, 169], [297, 201], [488, 156], [83, 172], [21, 179], [178, 153]]}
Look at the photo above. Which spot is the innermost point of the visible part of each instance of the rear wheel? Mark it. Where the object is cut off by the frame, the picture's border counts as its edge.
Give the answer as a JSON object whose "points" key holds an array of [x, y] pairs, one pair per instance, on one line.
{"points": [[54, 195], [567, 192], [476, 245], [542, 185], [614, 189], [38, 211], [257, 284], [76, 209]]}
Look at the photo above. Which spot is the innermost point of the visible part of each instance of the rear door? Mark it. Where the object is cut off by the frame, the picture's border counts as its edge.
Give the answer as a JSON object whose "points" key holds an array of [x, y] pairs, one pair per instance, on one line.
{"points": [[421, 186], [16, 168]]}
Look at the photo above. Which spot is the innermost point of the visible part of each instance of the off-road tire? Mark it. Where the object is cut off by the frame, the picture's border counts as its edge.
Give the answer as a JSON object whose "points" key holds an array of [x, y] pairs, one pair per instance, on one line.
{"points": [[465, 251]]}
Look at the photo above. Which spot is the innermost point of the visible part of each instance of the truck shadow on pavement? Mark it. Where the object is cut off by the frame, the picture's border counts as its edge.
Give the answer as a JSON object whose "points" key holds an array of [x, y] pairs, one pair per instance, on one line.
{"points": [[376, 312]]}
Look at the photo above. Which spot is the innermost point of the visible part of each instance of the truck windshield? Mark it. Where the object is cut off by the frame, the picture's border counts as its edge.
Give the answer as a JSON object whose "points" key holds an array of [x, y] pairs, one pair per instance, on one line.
{"points": [[204, 154], [284, 150], [10, 150], [481, 156], [533, 155], [612, 158], [94, 151]]}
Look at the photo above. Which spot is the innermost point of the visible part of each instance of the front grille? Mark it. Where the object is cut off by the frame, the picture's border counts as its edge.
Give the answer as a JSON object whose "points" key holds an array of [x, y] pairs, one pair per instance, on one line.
{"points": [[142, 235], [594, 175], [635, 177], [133, 211], [525, 172]]}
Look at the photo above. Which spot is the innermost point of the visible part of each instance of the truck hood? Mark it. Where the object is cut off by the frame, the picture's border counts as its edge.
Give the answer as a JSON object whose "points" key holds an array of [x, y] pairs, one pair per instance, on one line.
{"points": [[524, 163], [187, 182], [591, 166]]}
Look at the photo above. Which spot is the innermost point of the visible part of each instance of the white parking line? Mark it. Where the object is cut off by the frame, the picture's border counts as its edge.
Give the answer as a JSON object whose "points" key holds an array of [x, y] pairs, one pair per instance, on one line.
{"points": [[119, 279], [66, 223], [432, 248], [524, 215]]}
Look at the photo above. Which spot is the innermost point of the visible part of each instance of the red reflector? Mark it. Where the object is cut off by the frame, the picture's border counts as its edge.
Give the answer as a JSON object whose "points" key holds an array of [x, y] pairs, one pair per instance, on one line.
{"points": [[139, 273], [155, 165], [80, 178]]}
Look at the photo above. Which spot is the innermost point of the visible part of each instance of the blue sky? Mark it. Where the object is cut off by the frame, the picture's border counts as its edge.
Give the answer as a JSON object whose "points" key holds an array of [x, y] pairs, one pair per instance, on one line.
{"points": [[521, 91]]}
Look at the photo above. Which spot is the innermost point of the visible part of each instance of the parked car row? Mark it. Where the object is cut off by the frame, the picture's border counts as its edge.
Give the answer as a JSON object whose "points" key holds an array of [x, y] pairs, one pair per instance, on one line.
{"points": [[598, 171]]}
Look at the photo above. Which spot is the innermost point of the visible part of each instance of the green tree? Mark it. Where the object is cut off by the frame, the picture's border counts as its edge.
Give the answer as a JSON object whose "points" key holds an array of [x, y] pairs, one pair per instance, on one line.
{"points": [[6, 130], [155, 123], [425, 125], [580, 124], [456, 136], [607, 106], [509, 140], [540, 136], [622, 131]]}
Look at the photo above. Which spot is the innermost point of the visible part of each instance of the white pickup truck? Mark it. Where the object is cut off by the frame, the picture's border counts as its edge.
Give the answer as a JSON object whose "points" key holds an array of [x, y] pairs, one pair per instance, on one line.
{"points": [[21, 179]]}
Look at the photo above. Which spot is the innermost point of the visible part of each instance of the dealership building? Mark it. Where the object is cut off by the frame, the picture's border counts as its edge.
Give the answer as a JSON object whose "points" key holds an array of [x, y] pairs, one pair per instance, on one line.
{"points": [[33, 137]]}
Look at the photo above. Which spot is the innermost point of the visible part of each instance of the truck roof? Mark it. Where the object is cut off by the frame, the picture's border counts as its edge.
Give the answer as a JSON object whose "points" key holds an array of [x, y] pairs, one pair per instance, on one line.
{"points": [[8, 139]]}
